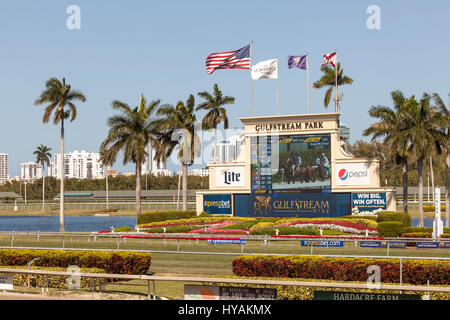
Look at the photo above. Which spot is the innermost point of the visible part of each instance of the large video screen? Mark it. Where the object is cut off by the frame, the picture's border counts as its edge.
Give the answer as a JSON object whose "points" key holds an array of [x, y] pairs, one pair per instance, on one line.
{"points": [[303, 162]]}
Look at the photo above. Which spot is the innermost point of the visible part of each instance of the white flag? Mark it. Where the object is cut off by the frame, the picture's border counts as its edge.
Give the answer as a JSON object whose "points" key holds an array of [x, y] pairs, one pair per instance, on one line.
{"points": [[267, 69]]}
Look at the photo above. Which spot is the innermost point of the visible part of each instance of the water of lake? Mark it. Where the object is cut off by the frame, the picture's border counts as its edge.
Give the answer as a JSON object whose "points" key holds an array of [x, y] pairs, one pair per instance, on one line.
{"points": [[88, 224], [72, 224]]}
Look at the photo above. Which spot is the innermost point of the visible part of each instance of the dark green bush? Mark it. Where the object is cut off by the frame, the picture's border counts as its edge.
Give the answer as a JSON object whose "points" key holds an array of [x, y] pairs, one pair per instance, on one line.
{"points": [[123, 229], [428, 230], [390, 229], [149, 217], [404, 218]]}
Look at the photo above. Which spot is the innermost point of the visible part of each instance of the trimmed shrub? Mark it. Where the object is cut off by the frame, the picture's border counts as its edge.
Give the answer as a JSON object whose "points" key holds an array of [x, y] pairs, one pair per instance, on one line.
{"points": [[416, 235], [390, 229], [59, 282], [123, 262], [342, 269], [418, 230], [123, 229], [149, 217], [432, 208], [444, 235], [404, 218]]}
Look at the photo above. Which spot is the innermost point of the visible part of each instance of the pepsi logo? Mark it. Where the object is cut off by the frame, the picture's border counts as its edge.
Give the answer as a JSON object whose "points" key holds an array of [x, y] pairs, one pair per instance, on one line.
{"points": [[343, 174]]}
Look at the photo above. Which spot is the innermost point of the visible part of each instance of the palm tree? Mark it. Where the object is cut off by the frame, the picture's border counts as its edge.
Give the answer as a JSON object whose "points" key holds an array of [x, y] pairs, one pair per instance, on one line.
{"points": [[445, 125], [130, 132], [43, 157], [328, 79], [389, 127], [181, 121], [216, 112], [422, 130], [59, 95]]}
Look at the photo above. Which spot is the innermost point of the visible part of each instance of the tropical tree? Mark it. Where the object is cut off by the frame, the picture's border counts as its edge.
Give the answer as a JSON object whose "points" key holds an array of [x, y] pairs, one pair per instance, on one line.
{"points": [[130, 132], [389, 127], [43, 157], [60, 98], [178, 122], [216, 113], [328, 79], [422, 130], [445, 128]]}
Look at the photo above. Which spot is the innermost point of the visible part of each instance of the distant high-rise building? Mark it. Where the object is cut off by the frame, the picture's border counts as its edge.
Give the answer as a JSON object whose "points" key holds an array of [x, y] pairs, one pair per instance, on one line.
{"points": [[152, 166], [79, 165], [3, 167], [228, 151], [30, 171]]}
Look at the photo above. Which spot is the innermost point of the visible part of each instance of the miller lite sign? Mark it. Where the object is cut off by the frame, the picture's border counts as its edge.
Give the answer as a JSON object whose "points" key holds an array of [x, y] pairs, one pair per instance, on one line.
{"points": [[230, 177]]}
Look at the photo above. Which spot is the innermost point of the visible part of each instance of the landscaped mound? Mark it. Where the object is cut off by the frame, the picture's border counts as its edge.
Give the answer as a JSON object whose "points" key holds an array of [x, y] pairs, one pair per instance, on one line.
{"points": [[343, 269], [262, 226]]}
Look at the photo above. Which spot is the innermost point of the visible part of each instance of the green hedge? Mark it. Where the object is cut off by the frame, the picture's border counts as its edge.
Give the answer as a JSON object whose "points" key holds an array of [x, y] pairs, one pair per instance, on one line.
{"points": [[423, 229], [59, 282], [123, 229], [416, 272], [149, 217], [390, 229], [286, 231], [404, 218], [124, 262]]}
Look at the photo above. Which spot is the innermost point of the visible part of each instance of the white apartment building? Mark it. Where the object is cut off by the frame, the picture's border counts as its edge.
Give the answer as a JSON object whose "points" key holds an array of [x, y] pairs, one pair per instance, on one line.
{"points": [[79, 165], [228, 151], [203, 172], [30, 171], [3, 167], [151, 166]]}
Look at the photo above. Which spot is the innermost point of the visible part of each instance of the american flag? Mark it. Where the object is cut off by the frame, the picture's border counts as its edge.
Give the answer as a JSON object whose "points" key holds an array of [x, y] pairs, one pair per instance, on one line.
{"points": [[239, 59], [329, 58]]}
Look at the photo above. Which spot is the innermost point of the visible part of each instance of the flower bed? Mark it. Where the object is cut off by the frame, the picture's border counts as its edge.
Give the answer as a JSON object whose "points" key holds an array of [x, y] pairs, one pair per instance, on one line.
{"points": [[343, 226], [215, 229]]}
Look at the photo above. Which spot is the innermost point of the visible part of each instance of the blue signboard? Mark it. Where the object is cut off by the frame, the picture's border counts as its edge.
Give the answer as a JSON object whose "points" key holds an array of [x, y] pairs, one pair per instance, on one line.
{"points": [[223, 241], [322, 243], [383, 244], [217, 203], [368, 202], [433, 245], [292, 204]]}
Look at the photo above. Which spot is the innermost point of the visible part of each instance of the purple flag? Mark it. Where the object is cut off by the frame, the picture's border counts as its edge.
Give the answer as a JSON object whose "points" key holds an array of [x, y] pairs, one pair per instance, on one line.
{"points": [[297, 62]]}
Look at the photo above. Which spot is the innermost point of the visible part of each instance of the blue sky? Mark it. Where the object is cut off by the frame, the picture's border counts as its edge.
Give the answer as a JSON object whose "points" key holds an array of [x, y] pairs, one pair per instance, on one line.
{"points": [[158, 48]]}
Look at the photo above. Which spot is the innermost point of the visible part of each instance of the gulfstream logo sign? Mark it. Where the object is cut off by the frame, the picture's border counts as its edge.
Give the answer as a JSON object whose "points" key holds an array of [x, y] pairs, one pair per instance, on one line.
{"points": [[230, 177], [289, 126], [355, 174]]}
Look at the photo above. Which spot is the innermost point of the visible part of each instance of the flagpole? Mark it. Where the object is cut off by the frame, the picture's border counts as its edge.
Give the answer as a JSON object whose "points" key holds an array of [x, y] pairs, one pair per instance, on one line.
{"points": [[335, 72], [307, 80], [278, 104], [252, 97]]}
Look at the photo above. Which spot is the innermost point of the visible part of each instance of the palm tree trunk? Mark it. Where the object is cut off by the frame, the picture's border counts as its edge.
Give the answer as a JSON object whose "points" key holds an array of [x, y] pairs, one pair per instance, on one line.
{"points": [[138, 189], [215, 145], [420, 173], [405, 184], [107, 192], [61, 192], [43, 187], [447, 187], [184, 186]]}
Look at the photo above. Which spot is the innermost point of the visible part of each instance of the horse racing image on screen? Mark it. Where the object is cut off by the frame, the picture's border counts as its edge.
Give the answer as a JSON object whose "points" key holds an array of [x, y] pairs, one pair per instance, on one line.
{"points": [[303, 162]]}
